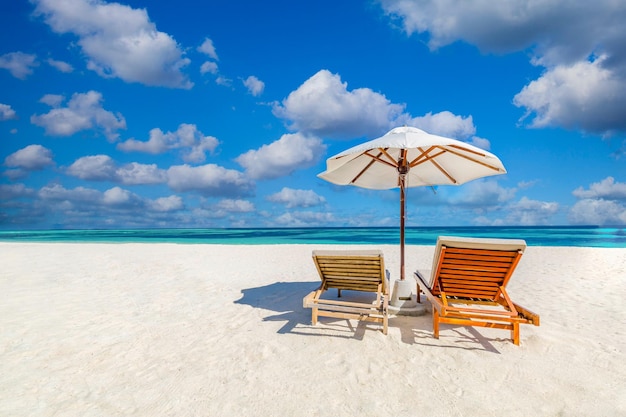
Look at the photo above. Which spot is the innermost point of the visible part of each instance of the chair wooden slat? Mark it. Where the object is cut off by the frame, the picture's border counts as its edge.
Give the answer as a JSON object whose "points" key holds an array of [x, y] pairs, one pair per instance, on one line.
{"points": [[362, 271], [467, 284]]}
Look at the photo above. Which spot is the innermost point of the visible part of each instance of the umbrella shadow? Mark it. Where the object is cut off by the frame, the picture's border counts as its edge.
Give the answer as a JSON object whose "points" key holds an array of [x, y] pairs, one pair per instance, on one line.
{"points": [[285, 299]]}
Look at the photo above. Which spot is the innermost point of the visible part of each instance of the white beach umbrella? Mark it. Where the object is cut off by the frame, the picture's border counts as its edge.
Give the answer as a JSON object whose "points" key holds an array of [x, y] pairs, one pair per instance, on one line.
{"points": [[409, 157]]}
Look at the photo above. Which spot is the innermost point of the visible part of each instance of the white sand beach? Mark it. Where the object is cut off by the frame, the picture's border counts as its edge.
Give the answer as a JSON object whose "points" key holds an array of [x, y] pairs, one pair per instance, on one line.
{"points": [[216, 330]]}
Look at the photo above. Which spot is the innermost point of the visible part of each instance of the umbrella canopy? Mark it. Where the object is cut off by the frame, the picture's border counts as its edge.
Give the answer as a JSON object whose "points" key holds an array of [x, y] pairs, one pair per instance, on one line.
{"points": [[409, 157]]}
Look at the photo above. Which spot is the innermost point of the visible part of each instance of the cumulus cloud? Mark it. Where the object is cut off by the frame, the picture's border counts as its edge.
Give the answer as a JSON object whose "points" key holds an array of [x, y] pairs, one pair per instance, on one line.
{"points": [[120, 197], [235, 206], [304, 218], [323, 106], [118, 41], [19, 64], [208, 48], [254, 85], [103, 168], [282, 157], [584, 74], [527, 212], [52, 100], [296, 198], [84, 111], [583, 96], [208, 66], [78, 195], [607, 188], [60, 65], [7, 113], [209, 180], [13, 191], [603, 203], [193, 144], [593, 211], [446, 124], [115, 206], [481, 193], [167, 204], [30, 158]]}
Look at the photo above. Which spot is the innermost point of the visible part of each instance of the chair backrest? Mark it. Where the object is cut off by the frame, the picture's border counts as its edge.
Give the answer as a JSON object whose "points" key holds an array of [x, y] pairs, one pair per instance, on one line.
{"points": [[474, 267], [358, 270]]}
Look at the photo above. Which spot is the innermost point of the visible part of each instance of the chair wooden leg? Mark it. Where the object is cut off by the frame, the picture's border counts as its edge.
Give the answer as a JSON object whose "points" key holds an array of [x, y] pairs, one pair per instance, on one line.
{"points": [[314, 316], [515, 334], [435, 323]]}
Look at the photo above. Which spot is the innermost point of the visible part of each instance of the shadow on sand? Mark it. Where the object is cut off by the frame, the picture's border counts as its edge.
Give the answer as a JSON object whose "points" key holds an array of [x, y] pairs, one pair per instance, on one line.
{"points": [[285, 299]]}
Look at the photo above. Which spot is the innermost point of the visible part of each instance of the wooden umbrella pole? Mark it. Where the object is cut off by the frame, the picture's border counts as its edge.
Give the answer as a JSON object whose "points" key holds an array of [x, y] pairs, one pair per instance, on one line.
{"points": [[403, 170], [402, 204]]}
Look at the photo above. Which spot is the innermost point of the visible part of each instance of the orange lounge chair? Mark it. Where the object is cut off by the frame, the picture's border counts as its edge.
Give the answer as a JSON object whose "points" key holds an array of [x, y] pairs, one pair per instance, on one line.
{"points": [[356, 270], [466, 285]]}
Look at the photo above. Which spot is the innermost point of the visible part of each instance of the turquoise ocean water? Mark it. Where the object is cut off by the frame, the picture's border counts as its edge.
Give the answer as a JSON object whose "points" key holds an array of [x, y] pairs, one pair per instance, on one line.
{"points": [[607, 237]]}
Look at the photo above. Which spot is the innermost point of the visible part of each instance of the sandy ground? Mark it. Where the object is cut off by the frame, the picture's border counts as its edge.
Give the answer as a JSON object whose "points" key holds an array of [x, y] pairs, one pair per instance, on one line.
{"points": [[212, 330]]}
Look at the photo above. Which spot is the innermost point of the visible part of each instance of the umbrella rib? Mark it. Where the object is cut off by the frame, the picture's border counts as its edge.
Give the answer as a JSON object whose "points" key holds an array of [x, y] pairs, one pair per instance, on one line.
{"points": [[427, 157], [393, 162], [431, 158], [469, 158], [375, 158], [424, 154]]}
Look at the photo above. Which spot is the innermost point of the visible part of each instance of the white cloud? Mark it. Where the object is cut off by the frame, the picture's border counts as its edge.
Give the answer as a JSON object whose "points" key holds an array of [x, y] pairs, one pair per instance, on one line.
{"points": [[583, 96], [209, 180], [167, 204], [60, 65], [322, 105], [193, 143], [118, 41], [6, 112], [103, 168], [304, 218], [117, 196], [297, 198], [254, 85], [13, 191], [235, 206], [208, 48], [584, 74], [52, 100], [282, 157], [84, 111], [483, 193], [593, 211], [527, 212], [210, 67], [221, 80], [446, 124], [78, 195], [607, 189], [135, 173], [31, 158], [602, 204], [95, 168], [19, 64]]}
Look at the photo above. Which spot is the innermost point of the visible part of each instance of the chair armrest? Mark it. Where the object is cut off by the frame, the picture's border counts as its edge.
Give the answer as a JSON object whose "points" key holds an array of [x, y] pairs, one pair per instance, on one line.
{"points": [[420, 277]]}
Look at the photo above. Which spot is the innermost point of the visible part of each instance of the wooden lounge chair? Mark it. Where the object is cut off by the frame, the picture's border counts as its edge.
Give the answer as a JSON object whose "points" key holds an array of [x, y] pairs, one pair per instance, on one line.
{"points": [[466, 285], [356, 270]]}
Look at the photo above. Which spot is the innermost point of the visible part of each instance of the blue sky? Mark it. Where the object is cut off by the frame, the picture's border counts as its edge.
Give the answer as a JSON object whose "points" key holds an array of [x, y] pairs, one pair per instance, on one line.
{"points": [[221, 114]]}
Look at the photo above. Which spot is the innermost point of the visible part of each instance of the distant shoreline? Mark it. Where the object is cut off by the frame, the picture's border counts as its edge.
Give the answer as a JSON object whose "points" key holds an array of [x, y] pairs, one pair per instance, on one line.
{"points": [[552, 236]]}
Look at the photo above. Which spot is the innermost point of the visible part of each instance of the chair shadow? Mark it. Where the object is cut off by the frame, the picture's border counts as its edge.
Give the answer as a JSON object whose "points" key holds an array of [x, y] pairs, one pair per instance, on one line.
{"points": [[419, 331], [285, 298]]}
